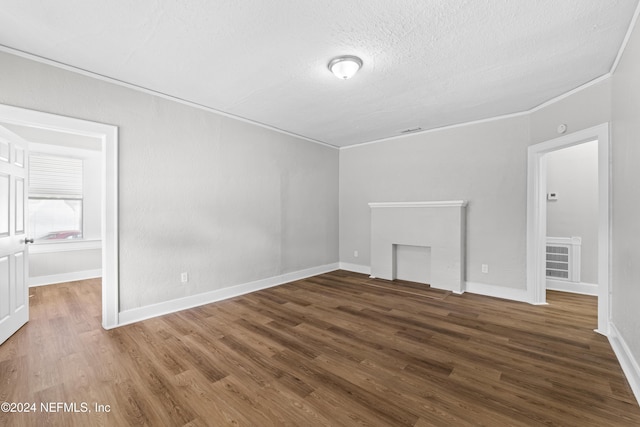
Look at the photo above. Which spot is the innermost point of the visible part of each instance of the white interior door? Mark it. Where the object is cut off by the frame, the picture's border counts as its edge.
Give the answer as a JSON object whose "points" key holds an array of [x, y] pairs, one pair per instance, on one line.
{"points": [[14, 255]]}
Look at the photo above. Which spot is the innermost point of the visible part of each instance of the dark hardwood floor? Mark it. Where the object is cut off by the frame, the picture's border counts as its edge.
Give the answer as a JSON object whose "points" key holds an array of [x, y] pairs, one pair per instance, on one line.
{"points": [[328, 350]]}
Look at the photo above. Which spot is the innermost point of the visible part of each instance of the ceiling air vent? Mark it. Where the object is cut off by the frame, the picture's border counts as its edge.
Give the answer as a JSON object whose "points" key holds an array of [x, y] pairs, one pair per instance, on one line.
{"points": [[411, 130]]}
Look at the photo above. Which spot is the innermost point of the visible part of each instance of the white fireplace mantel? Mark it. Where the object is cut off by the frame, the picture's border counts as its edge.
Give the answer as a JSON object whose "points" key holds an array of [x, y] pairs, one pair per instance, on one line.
{"points": [[443, 204], [439, 225]]}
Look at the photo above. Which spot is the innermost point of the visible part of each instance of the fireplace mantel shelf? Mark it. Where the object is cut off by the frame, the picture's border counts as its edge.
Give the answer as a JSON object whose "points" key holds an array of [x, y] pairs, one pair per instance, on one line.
{"points": [[438, 204]]}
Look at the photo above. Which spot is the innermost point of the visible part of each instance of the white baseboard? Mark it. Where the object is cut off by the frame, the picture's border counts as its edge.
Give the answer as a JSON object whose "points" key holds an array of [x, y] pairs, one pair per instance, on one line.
{"points": [[573, 287], [498, 291], [472, 287], [137, 314], [356, 268], [66, 277], [627, 361]]}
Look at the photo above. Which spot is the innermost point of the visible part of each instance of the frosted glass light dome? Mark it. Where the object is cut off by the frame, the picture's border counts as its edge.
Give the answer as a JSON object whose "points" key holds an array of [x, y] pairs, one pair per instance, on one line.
{"points": [[345, 67]]}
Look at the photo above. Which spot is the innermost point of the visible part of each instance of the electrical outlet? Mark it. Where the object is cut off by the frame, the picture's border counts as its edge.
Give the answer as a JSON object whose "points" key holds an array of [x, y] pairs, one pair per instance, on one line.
{"points": [[355, 254], [184, 277], [485, 268]]}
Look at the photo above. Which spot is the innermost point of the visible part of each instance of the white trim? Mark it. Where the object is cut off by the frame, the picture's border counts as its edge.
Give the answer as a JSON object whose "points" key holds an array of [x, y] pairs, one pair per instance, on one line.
{"points": [[627, 36], [573, 240], [442, 204], [143, 89], [64, 246], [436, 129], [537, 215], [171, 306], [356, 268], [108, 134], [109, 227], [490, 119], [572, 287], [496, 291], [569, 93], [65, 277], [628, 363], [67, 67]]}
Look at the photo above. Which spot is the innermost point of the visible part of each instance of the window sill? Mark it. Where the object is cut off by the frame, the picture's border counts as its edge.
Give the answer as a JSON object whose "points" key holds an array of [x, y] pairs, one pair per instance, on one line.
{"points": [[63, 246]]}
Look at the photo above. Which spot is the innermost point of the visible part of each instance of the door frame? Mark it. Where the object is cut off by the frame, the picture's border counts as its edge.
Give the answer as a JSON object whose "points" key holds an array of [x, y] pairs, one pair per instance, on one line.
{"points": [[108, 134], [537, 216]]}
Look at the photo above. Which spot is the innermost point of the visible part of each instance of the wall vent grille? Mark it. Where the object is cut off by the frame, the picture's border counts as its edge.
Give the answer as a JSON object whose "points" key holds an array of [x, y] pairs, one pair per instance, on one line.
{"points": [[563, 258]]}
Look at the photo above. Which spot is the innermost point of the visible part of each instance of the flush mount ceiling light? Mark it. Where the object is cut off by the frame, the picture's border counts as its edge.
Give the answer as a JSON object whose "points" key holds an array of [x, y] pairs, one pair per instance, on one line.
{"points": [[344, 67]]}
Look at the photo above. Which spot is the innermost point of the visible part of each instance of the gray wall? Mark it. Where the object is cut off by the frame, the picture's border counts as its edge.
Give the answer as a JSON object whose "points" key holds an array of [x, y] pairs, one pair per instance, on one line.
{"points": [[581, 110], [573, 174], [63, 263], [626, 195], [485, 164], [227, 201]]}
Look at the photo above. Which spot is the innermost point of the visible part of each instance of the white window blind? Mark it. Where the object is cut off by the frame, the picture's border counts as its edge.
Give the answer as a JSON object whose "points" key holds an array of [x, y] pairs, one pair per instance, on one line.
{"points": [[55, 177]]}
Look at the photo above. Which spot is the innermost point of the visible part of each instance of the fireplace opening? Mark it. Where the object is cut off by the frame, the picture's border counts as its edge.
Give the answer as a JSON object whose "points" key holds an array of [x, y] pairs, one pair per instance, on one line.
{"points": [[412, 263]]}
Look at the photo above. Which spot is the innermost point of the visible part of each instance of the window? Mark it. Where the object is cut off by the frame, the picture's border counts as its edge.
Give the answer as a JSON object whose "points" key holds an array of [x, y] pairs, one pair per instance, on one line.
{"points": [[55, 197]]}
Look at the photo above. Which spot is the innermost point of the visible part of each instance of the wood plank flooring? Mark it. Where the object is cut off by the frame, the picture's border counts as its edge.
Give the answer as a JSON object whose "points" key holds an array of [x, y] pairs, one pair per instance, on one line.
{"points": [[337, 349]]}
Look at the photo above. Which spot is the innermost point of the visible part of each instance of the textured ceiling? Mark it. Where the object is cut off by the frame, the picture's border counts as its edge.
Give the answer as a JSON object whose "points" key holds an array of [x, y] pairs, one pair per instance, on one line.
{"points": [[427, 64]]}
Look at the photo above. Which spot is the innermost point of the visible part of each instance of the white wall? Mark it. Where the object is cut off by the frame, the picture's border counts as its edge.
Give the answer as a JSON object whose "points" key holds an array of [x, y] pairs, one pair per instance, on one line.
{"points": [[227, 201], [46, 268], [626, 198], [572, 173]]}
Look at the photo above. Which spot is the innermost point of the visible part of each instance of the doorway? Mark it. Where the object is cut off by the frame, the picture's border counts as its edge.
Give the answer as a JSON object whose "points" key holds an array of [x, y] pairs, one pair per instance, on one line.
{"points": [[537, 217], [108, 136], [572, 219]]}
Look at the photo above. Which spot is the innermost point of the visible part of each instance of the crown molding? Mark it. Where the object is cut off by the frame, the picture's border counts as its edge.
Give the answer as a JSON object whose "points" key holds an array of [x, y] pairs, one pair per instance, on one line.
{"points": [[627, 36], [148, 91]]}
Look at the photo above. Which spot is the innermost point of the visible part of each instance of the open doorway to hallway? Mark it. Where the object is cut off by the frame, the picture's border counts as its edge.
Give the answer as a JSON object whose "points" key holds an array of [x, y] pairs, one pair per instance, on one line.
{"points": [[572, 219]]}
